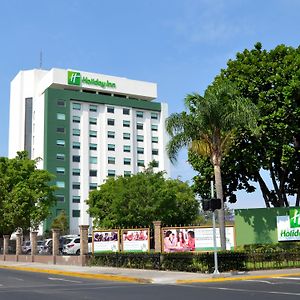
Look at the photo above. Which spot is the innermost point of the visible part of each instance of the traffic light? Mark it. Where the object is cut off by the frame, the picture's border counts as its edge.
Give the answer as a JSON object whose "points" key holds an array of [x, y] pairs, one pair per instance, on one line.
{"points": [[211, 204]]}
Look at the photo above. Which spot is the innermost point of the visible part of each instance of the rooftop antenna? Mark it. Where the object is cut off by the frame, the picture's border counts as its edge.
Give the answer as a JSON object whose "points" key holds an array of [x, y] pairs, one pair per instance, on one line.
{"points": [[41, 59]]}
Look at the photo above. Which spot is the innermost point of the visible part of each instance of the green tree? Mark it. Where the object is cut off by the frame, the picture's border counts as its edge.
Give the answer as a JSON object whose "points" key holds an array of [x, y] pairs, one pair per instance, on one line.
{"points": [[141, 199], [271, 80], [61, 222], [25, 193], [208, 129]]}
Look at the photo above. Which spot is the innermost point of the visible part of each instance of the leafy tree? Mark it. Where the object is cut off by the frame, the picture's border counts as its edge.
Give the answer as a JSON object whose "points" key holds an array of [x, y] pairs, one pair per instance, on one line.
{"points": [[141, 199], [271, 80], [61, 222], [209, 127], [25, 194]]}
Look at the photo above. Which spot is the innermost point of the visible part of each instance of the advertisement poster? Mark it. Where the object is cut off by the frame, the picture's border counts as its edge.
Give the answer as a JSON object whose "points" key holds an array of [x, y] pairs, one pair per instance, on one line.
{"points": [[288, 227], [135, 240], [105, 241], [186, 239]]}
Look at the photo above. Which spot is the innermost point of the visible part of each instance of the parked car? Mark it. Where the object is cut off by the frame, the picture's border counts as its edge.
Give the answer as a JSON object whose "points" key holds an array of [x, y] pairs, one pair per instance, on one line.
{"points": [[26, 247], [47, 249], [72, 245]]}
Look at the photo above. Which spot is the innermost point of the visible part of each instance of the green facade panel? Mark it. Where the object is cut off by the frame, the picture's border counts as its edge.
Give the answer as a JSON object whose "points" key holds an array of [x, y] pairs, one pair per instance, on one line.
{"points": [[257, 226]]}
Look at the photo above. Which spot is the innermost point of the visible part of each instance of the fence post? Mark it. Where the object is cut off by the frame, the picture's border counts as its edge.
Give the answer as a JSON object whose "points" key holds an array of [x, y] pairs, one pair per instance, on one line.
{"points": [[6, 238], [18, 244], [84, 242], [55, 243], [157, 236], [33, 241]]}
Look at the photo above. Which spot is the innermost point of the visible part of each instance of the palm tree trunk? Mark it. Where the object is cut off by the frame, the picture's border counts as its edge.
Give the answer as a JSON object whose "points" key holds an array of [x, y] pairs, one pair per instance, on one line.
{"points": [[221, 213]]}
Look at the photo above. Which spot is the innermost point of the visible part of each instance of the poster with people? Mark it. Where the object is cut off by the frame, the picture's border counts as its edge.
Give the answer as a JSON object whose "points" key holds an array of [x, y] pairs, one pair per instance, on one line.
{"points": [[135, 240], [185, 239], [106, 241]]}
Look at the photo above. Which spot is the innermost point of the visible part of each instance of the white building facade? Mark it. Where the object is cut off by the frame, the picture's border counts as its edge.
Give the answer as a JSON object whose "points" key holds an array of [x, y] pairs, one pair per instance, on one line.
{"points": [[86, 127]]}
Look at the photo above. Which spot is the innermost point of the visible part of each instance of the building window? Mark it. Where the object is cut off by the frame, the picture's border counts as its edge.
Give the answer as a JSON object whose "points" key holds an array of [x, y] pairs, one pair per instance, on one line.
{"points": [[76, 132], [154, 151], [140, 163], [111, 122], [93, 159], [111, 160], [60, 129], [76, 119], [139, 126], [93, 186], [155, 163], [61, 103], [76, 106], [93, 173], [126, 111], [60, 143], [127, 173], [60, 184], [154, 127], [60, 156], [154, 116], [111, 134], [76, 158], [76, 185], [75, 172], [126, 148], [111, 109], [154, 139], [76, 145], [60, 198], [140, 150], [93, 146], [60, 170], [60, 116], [76, 213], [93, 121], [111, 173], [127, 161], [140, 138], [139, 114], [93, 133], [126, 123], [93, 107], [76, 199], [126, 136], [111, 147]]}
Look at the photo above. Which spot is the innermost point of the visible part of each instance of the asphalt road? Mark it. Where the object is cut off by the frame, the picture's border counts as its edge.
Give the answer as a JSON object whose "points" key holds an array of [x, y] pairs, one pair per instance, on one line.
{"points": [[32, 286]]}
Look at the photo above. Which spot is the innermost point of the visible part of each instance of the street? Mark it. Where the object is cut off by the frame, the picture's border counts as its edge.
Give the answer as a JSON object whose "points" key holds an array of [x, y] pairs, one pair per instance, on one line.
{"points": [[30, 286]]}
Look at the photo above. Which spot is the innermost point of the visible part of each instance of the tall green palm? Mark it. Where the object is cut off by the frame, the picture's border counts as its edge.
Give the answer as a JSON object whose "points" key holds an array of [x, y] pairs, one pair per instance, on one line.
{"points": [[208, 128]]}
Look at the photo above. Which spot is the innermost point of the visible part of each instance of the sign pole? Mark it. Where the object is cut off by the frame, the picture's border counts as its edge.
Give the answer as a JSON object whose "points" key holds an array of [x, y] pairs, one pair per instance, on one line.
{"points": [[216, 271]]}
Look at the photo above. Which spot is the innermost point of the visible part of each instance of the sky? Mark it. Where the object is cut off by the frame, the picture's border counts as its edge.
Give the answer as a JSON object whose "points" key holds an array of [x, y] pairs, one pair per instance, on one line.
{"points": [[180, 45]]}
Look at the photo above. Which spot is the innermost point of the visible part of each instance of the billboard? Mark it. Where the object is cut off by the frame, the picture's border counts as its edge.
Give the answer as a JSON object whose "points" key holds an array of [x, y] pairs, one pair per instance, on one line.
{"points": [[135, 240], [186, 239], [288, 227], [106, 241]]}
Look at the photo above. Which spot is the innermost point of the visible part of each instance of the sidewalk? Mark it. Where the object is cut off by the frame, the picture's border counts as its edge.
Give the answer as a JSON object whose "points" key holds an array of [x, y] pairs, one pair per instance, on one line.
{"points": [[142, 276]]}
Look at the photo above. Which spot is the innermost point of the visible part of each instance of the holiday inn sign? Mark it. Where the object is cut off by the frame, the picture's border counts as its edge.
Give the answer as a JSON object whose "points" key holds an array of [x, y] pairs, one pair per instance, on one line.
{"points": [[75, 78], [288, 227]]}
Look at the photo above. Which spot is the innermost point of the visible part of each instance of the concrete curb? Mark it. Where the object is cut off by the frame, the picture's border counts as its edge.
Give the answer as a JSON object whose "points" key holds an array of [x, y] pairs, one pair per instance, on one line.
{"points": [[81, 275], [251, 277]]}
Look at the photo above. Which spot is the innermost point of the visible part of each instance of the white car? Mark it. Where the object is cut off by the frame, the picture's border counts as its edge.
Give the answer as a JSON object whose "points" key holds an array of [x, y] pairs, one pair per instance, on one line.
{"points": [[72, 245]]}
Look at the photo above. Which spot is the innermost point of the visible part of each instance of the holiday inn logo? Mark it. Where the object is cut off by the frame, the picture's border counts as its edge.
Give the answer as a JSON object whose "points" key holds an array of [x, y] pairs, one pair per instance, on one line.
{"points": [[74, 78], [295, 217]]}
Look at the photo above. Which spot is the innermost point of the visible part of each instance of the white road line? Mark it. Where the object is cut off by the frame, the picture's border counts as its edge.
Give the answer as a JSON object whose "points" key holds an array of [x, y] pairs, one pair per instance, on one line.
{"points": [[262, 281], [62, 279], [288, 278]]}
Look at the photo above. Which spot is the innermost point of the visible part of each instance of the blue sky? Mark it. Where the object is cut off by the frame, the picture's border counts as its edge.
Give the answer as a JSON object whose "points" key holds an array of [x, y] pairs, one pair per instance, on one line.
{"points": [[180, 45]]}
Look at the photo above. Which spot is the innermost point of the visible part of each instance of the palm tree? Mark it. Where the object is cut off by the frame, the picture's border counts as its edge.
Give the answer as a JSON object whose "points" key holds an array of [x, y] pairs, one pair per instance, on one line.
{"points": [[208, 128]]}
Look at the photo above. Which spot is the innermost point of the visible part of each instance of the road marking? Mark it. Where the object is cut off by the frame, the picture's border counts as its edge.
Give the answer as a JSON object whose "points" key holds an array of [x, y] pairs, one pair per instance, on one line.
{"points": [[62, 279], [288, 278], [262, 281]]}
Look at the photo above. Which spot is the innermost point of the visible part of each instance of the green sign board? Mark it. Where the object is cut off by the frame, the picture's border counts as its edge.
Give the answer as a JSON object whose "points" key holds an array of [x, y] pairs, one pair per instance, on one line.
{"points": [[75, 78], [295, 217]]}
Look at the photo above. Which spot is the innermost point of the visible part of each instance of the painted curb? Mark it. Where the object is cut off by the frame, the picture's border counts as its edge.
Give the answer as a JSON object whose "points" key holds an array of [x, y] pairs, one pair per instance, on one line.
{"points": [[186, 281], [80, 275]]}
